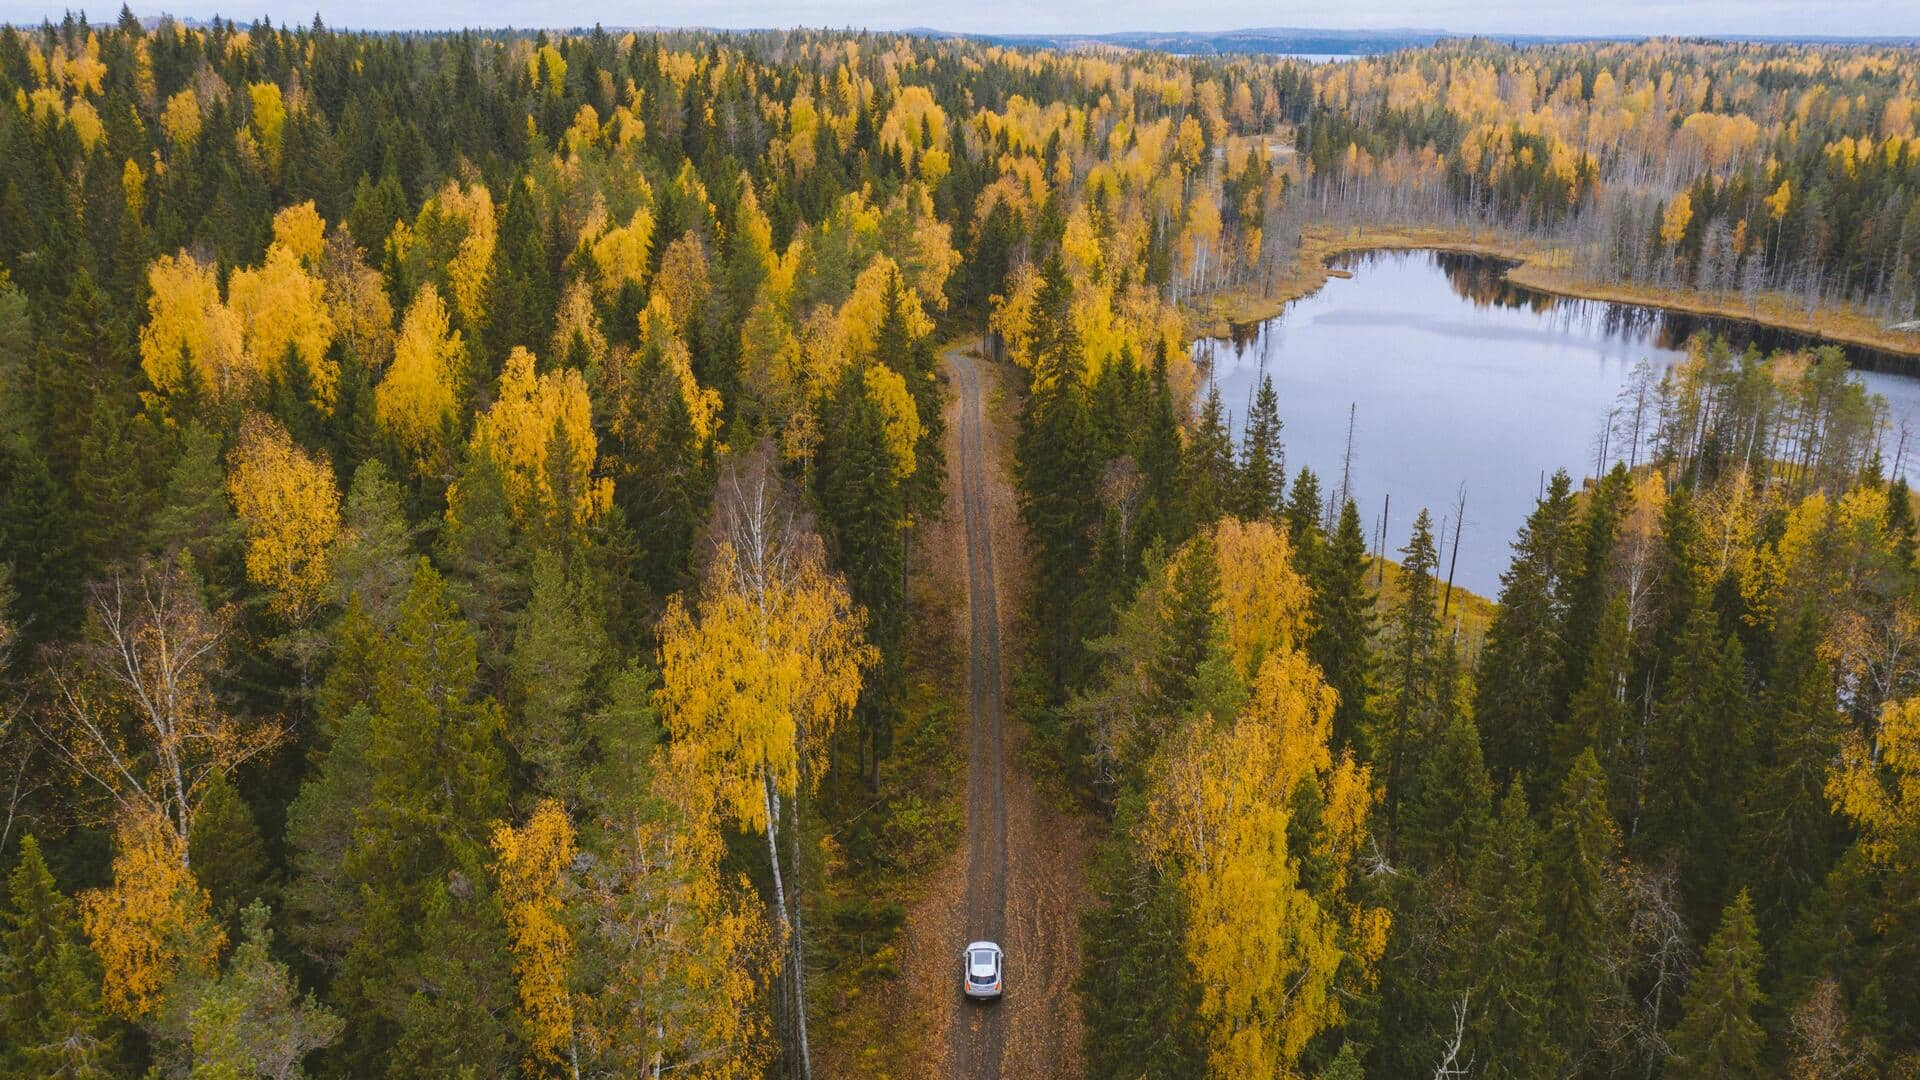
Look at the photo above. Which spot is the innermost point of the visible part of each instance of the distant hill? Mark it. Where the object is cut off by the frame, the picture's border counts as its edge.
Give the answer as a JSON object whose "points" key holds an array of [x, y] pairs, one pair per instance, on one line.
{"points": [[1254, 40], [1272, 40]]}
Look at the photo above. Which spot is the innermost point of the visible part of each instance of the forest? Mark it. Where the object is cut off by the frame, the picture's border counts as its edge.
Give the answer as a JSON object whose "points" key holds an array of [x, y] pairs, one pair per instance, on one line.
{"points": [[466, 606]]}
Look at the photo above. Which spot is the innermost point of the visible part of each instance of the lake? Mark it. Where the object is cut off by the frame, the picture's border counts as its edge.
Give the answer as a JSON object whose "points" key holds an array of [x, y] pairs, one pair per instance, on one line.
{"points": [[1456, 377]]}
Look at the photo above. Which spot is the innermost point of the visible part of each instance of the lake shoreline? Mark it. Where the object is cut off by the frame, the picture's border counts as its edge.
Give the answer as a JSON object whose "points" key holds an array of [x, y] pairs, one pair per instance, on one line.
{"points": [[1533, 268]]}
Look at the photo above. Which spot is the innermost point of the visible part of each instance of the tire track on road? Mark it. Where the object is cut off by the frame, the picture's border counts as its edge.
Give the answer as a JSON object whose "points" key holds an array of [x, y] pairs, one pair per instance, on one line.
{"points": [[979, 1035]]}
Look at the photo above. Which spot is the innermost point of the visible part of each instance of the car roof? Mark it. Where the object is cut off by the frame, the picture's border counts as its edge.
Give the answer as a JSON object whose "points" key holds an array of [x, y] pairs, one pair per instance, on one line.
{"points": [[983, 945]]}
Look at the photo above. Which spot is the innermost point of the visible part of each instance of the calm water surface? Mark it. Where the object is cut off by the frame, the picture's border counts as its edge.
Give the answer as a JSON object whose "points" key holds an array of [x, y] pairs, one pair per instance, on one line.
{"points": [[1456, 377]]}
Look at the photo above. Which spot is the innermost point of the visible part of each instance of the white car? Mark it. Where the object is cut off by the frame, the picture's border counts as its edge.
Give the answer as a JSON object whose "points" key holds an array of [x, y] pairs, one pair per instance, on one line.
{"points": [[981, 964]]}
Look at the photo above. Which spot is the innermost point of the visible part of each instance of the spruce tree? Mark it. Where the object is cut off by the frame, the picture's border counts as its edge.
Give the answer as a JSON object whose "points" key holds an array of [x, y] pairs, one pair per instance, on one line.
{"points": [[1341, 638], [374, 559], [1138, 995], [520, 295], [1055, 465], [1189, 635], [51, 1023], [1790, 834], [1719, 1035], [253, 1021], [1579, 907], [486, 556], [1263, 459], [1700, 759], [1600, 716], [195, 514], [864, 509], [1303, 516], [1448, 808], [110, 498], [1678, 589], [1158, 451], [560, 650], [1521, 660], [916, 363], [1900, 524], [1584, 591], [1409, 668], [1210, 479], [436, 786], [1505, 949], [224, 846]]}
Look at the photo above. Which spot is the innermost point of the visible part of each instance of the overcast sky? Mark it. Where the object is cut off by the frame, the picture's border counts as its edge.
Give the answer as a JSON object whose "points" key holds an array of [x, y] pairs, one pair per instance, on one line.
{"points": [[1706, 17]]}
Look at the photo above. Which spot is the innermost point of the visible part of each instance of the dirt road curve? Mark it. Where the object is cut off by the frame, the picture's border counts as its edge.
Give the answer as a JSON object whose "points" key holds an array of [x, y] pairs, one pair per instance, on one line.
{"points": [[979, 1037]]}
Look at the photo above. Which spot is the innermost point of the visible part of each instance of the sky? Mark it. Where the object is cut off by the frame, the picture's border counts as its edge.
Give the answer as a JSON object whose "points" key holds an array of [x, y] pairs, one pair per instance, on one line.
{"points": [[1569, 17]]}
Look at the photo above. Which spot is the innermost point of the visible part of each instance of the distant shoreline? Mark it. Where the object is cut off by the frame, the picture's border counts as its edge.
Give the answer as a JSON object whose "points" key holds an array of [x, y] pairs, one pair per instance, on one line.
{"points": [[1536, 268]]}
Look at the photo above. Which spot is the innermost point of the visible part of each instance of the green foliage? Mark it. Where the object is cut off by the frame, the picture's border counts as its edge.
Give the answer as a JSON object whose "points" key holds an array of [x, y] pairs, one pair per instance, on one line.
{"points": [[1521, 661], [1138, 994], [864, 507], [1719, 1035], [560, 653], [1506, 943], [1580, 905], [51, 1023], [1411, 674], [224, 846], [1701, 758], [1263, 460], [1341, 637], [253, 1021]]}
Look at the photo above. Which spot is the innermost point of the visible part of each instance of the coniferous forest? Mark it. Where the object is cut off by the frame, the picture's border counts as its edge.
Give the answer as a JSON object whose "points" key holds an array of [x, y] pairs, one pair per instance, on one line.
{"points": [[467, 602]]}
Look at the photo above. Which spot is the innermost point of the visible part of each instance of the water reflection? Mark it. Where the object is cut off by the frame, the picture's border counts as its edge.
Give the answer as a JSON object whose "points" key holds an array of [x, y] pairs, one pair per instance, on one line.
{"points": [[1457, 376]]}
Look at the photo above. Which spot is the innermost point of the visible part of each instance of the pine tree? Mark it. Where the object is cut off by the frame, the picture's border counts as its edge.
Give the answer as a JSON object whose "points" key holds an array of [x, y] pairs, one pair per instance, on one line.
{"points": [[1341, 638], [1505, 944], [1521, 660], [51, 1023], [1579, 906], [1719, 1035], [1263, 460]]}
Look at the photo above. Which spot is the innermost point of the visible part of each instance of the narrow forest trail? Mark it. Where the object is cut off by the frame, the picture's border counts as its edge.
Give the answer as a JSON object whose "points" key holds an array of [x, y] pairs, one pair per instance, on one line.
{"points": [[1020, 879]]}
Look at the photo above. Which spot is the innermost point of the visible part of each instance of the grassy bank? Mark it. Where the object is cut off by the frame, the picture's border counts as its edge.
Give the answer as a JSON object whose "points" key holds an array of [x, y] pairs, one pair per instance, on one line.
{"points": [[1546, 269]]}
